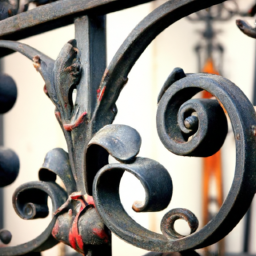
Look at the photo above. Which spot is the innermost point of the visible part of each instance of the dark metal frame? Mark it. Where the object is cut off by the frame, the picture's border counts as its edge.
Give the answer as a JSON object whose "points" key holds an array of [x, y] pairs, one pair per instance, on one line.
{"points": [[89, 208]]}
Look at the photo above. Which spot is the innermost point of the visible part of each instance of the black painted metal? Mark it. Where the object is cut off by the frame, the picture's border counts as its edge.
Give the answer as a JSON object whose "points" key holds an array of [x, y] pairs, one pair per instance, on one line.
{"points": [[247, 230], [9, 161], [89, 208]]}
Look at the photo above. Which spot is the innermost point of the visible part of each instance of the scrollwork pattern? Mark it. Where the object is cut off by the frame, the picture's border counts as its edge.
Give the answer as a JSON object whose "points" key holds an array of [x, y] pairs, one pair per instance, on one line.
{"points": [[242, 116], [186, 126]]}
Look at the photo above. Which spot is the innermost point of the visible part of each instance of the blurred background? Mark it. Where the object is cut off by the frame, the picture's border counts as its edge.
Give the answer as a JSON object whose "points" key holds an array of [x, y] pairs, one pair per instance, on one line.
{"points": [[31, 130]]}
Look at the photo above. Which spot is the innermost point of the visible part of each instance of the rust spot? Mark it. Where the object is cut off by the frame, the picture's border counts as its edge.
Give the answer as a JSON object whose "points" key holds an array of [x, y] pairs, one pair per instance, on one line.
{"points": [[89, 200], [36, 62], [45, 90], [137, 206], [10, 12], [76, 195], [58, 115], [101, 234], [75, 49], [105, 74], [100, 93], [68, 69], [55, 230], [75, 238], [238, 136], [80, 120]]}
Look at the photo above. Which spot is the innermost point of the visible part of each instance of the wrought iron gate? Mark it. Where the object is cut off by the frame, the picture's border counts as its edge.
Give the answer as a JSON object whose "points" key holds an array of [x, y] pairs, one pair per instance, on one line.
{"points": [[85, 214]]}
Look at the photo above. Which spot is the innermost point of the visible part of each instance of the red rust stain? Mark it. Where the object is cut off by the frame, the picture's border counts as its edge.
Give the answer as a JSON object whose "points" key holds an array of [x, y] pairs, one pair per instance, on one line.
{"points": [[89, 200], [80, 120], [75, 49], [105, 74], [75, 238], [68, 69], [36, 62], [76, 195], [58, 115], [45, 90], [101, 234], [66, 105], [10, 12], [55, 230], [100, 93]]}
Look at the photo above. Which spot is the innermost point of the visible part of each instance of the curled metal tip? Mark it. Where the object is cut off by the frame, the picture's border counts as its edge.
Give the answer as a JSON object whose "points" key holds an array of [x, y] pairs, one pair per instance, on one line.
{"points": [[191, 122], [246, 28], [176, 75]]}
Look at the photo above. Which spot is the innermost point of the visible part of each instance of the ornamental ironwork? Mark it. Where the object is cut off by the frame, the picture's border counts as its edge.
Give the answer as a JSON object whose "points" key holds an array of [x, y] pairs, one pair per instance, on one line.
{"points": [[89, 209]]}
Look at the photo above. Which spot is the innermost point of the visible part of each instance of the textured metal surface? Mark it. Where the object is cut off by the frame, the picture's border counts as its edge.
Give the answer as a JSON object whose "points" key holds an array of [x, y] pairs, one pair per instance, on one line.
{"points": [[9, 166], [8, 93], [55, 15], [242, 115], [56, 163], [246, 28], [186, 127], [188, 253], [9, 161]]}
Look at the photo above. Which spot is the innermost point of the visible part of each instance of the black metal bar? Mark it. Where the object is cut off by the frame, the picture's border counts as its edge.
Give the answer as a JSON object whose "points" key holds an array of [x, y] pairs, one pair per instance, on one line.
{"points": [[85, 214], [91, 41], [59, 14], [247, 231]]}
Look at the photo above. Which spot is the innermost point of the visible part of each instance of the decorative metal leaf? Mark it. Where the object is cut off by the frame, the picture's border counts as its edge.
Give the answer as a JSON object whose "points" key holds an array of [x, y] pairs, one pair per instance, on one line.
{"points": [[120, 141]]}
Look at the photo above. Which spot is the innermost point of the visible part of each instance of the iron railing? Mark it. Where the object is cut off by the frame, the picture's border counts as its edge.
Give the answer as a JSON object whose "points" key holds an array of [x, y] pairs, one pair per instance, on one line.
{"points": [[85, 214]]}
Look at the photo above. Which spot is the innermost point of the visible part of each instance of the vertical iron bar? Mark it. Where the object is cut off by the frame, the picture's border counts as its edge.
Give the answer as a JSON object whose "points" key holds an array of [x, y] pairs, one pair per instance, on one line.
{"points": [[90, 33], [247, 231]]}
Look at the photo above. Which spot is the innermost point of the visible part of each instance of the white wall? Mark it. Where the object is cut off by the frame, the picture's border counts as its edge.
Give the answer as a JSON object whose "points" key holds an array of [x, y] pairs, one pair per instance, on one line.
{"points": [[31, 129]]}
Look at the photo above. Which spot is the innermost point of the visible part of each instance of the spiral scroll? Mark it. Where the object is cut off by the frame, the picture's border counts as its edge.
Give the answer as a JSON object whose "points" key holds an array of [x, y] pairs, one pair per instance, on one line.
{"points": [[202, 120], [30, 202], [186, 126], [174, 109]]}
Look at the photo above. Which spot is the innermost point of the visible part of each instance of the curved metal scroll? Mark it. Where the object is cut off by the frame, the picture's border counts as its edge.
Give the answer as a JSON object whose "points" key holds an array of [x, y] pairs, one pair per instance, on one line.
{"points": [[189, 120], [30, 202], [242, 116], [246, 28]]}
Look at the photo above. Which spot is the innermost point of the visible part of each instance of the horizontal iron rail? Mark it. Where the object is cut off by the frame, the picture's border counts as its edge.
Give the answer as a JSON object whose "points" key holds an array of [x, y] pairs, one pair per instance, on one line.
{"points": [[56, 15]]}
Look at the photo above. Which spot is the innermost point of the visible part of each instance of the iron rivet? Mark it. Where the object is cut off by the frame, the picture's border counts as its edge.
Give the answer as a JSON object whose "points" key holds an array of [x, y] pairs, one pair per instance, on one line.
{"points": [[191, 122]]}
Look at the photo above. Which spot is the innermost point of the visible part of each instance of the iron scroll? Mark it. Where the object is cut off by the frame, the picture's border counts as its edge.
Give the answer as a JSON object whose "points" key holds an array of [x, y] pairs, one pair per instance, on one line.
{"points": [[89, 208]]}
